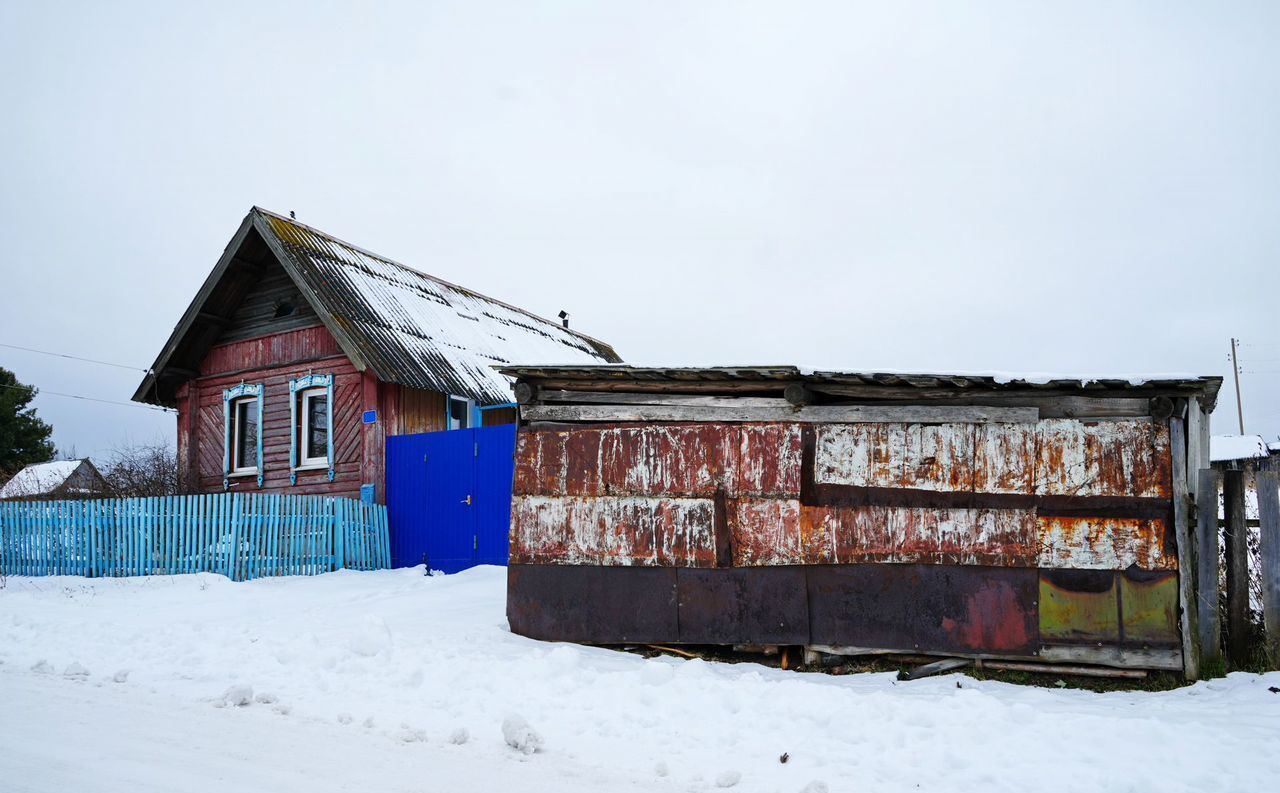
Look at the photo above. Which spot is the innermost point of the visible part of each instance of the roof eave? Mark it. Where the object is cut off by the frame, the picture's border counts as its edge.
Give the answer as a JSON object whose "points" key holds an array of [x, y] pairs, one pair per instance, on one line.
{"points": [[148, 390]]}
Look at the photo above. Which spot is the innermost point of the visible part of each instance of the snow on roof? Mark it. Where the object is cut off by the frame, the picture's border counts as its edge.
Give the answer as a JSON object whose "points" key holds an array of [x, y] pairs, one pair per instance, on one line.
{"points": [[418, 330], [1236, 447], [39, 479], [1202, 387], [404, 326]]}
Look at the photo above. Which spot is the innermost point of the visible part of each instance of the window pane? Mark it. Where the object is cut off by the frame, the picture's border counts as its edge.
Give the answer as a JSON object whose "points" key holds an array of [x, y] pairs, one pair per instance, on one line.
{"points": [[247, 419], [458, 413], [317, 426]]}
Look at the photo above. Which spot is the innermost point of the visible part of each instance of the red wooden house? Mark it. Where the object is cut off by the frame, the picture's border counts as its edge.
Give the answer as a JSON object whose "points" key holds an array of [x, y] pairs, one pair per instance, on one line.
{"points": [[301, 353]]}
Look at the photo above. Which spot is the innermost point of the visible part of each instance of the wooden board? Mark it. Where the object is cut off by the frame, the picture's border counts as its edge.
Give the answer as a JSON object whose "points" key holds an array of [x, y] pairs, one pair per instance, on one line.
{"points": [[820, 413], [1268, 484]]}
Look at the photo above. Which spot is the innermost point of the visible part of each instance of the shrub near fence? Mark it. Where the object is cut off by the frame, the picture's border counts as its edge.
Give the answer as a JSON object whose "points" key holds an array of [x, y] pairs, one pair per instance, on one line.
{"points": [[240, 535]]}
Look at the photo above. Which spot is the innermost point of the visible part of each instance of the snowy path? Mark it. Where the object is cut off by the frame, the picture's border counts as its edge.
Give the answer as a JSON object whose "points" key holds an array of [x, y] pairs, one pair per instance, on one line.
{"points": [[372, 673], [107, 738]]}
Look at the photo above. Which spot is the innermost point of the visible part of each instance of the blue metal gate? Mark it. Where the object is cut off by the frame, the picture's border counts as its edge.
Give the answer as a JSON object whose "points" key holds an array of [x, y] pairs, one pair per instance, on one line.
{"points": [[449, 497]]}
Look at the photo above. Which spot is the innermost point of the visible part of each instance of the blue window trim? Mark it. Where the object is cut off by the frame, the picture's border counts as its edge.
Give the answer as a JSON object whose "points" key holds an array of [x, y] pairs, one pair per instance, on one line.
{"points": [[473, 413], [301, 384], [233, 393]]}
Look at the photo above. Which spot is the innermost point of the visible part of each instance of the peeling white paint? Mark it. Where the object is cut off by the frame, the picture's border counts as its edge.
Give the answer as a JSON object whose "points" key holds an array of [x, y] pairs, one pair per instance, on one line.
{"points": [[1053, 457], [613, 530], [1102, 544]]}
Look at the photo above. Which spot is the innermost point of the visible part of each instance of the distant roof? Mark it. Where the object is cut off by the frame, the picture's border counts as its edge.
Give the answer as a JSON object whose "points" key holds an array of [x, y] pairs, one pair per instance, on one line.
{"points": [[39, 479], [1176, 384], [405, 326], [1236, 447]]}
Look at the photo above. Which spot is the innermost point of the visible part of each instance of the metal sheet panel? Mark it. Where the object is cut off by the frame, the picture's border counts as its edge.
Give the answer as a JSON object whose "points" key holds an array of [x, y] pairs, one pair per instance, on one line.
{"points": [[1104, 543], [924, 607], [688, 460], [429, 482], [592, 604], [494, 447], [624, 530], [917, 456], [849, 535], [1106, 458], [722, 606], [1056, 457], [1149, 608], [1078, 606], [766, 531]]}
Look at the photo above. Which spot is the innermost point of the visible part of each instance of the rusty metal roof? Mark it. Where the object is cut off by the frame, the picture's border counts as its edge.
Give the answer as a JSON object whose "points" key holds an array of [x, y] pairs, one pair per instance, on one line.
{"points": [[1100, 385], [405, 326]]}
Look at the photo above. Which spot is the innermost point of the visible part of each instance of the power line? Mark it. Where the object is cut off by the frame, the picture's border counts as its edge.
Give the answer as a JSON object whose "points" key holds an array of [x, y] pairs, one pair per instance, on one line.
{"points": [[34, 391], [75, 358]]}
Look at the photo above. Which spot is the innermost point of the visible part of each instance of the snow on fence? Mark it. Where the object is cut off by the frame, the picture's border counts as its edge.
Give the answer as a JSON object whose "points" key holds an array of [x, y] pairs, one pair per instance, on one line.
{"points": [[240, 535]]}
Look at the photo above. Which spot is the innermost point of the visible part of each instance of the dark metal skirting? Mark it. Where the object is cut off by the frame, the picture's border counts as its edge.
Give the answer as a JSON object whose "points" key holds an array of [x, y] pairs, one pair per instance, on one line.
{"points": [[1114, 617], [908, 607]]}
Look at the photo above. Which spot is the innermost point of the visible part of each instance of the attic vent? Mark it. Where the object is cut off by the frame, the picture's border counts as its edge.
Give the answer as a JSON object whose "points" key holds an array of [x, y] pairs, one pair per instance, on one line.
{"points": [[284, 308]]}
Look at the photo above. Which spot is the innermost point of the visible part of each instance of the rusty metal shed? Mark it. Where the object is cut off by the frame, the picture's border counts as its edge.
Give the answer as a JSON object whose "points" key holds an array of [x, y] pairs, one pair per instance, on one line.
{"points": [[1039, 520]]}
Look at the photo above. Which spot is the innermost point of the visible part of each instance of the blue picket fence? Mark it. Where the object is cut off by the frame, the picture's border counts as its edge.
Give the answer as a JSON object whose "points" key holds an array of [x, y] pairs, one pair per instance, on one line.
{"points": [[240, 535]]}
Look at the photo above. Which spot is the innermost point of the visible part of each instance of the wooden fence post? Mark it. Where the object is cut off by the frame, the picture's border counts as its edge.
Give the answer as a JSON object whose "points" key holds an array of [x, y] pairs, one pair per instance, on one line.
{"points": [[1268, 483], [1237, 542], [234, 550], [340, 535], [1207, 589], [1186, 563]]}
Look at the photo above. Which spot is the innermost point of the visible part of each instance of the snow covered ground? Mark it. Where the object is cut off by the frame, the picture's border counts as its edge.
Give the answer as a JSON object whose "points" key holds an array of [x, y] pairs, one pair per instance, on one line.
{"points": [[393, 681]]}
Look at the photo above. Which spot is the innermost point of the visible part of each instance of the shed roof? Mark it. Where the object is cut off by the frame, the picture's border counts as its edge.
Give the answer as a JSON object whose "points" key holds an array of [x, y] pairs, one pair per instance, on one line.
{"points": [[1236, 447], [1097, 385], [405, 326], [41, 479]]}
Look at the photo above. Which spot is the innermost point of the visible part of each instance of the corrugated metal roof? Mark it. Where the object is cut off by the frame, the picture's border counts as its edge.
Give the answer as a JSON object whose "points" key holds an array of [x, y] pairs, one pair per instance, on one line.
{"points": [[405, 326], [418, 330]]}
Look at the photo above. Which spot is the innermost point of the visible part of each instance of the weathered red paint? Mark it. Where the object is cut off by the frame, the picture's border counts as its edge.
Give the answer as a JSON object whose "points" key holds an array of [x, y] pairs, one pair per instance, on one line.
{"points": [[294, 346], [273, 360], [757, 472], [987, 624], [690, 460], [845, 535], [1010, 540], [613, 530]]}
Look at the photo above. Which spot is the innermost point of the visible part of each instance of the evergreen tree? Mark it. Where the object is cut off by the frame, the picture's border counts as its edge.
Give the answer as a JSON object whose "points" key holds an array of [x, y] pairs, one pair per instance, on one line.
{"points": [[24, 438]]}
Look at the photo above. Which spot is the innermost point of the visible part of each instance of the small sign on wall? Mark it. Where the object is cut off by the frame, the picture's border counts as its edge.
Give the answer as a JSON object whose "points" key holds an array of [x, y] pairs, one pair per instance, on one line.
{"points": [[370, 417], [368, 494]]}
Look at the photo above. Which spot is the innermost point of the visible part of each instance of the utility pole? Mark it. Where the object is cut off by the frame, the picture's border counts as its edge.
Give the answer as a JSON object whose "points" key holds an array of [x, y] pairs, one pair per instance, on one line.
{"points": [[1235, 369]]}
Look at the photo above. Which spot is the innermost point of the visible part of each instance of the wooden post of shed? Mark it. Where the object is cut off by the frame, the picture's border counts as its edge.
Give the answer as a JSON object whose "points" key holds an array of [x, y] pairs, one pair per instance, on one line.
{"points": [[1268, 484], [1186, 559], [1207, 590], [1194, 460], [1237, 542]]}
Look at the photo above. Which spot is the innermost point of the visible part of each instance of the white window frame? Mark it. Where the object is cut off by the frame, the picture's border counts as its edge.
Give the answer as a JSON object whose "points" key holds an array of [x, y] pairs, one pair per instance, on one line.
{"points": [[450, 422], [303, 429], [237, 430]]}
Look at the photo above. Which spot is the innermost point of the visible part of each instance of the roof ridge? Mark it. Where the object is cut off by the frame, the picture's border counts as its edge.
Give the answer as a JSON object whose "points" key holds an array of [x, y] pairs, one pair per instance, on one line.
{"points": [[429, 276]]}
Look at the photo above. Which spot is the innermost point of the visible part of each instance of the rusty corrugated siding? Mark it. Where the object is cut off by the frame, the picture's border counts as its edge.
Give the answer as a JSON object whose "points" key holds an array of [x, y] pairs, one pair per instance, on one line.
{"points": [[1002, 539], [949, 493]]}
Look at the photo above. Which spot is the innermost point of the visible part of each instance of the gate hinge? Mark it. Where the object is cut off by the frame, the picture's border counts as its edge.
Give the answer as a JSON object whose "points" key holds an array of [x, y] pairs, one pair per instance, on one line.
{"points": [[475, 542], [477, 445]]}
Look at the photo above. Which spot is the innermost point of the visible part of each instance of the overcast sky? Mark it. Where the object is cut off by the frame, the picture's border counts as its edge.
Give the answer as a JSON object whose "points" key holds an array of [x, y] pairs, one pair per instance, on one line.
{"points": [[1087, 187]]}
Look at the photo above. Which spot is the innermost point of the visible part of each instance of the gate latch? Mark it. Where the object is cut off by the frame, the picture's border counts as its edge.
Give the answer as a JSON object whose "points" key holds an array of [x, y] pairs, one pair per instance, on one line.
{"points": [[467, 501]]}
